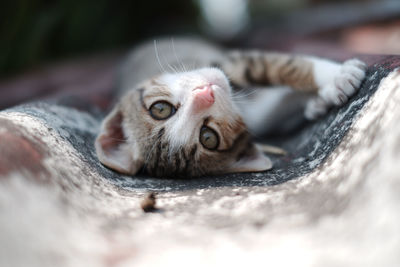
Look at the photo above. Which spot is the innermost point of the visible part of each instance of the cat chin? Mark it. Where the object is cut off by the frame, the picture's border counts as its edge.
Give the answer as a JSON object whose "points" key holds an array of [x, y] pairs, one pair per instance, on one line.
{"points": [[216, 77], [197, 78]]}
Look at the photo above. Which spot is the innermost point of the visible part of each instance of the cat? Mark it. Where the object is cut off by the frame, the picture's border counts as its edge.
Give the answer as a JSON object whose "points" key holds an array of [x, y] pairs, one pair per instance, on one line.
{"points": [[187, 123]]}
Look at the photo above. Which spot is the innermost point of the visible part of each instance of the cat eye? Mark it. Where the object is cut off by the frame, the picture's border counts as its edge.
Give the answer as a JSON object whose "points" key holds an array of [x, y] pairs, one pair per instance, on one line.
{"points": [[162, 110], [209, 138]]}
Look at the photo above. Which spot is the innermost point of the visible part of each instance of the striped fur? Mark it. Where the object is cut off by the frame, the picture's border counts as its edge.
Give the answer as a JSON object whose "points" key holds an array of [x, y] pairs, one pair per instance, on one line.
{"points": [[171, 147], [260, 68]]}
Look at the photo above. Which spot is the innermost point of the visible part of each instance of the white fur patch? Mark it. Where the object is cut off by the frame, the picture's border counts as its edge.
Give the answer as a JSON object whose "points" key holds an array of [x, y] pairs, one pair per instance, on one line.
{"points": [[183, 128], [337, 83]]}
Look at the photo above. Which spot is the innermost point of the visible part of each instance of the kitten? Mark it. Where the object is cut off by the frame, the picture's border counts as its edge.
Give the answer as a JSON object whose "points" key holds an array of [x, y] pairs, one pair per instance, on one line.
{"points": [[186, 123]]}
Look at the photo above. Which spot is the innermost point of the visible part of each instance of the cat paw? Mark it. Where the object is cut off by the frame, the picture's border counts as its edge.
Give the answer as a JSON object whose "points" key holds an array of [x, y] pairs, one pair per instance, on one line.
{"points": [[315, 108], [345, 83]]}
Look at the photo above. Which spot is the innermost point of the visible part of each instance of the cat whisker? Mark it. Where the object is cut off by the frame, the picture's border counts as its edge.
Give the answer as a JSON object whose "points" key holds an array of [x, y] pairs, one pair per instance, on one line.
{"points": [[176, 56], [172, 68], [244, 91], [148, 155], [158, 58], [243, 94], [146, 138], [150, 152], [243, 99], [247, 101], [193, 67], [176, 69], [184, 67]]}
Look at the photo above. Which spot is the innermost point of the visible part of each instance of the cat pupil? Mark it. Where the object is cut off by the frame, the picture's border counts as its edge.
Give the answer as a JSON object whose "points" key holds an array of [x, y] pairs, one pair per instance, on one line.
{"points": [[161, 110], [209, 138]]}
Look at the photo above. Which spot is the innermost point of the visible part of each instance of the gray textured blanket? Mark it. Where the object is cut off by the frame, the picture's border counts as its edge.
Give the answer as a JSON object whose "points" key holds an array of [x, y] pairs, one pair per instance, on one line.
{"points": [[334, 200]]}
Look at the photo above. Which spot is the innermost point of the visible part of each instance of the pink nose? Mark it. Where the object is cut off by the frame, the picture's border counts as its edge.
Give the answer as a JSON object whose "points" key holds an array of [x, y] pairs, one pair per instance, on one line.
{"points": [[203, 98]]}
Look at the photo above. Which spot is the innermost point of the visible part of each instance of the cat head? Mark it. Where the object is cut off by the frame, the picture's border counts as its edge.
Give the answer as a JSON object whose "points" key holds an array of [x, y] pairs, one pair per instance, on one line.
{"points": [[181, 125]]}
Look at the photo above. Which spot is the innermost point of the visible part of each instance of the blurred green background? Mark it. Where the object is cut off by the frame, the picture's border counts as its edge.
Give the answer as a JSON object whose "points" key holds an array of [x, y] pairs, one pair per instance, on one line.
{"points": [[34, 32]]}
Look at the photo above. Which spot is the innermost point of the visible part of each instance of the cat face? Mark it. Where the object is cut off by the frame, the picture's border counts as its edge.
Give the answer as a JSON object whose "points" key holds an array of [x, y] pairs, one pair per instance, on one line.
{"points": [[179, 125]]}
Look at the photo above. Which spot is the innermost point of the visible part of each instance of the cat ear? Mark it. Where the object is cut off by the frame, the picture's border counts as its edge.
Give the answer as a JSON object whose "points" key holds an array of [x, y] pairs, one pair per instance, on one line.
{"points": [[253, 160], [112, 147]]}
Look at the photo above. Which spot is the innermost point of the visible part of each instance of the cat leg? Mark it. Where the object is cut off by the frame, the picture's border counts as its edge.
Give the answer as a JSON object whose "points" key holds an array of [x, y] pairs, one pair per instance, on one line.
{"points": [[332, 83], [251, 68]]}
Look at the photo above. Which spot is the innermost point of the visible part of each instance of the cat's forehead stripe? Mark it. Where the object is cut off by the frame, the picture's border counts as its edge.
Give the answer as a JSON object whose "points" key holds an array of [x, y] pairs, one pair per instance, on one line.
{"points": [[156, 83], [141, 90], [156, 92]]}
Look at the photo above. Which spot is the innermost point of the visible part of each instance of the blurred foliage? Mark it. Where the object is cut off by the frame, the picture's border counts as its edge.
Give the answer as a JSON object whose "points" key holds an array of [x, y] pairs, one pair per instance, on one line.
{"points": [[33, 31]]}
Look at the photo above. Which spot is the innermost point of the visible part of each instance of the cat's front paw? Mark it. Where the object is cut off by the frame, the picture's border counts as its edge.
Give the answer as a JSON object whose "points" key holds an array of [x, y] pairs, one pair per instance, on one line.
{"points": [[345, 83]]}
